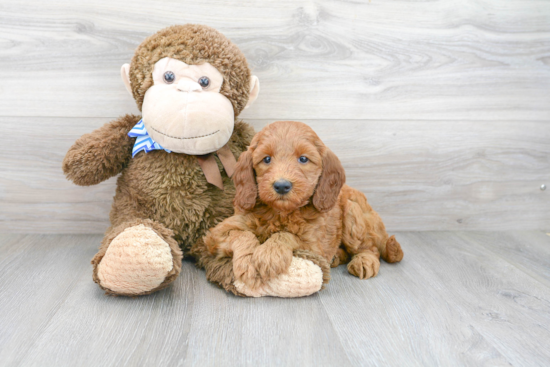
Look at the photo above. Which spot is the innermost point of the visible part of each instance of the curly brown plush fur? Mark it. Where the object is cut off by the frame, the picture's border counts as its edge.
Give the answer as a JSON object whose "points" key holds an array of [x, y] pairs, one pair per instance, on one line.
{"points": [[165, 192], [168, 188]]}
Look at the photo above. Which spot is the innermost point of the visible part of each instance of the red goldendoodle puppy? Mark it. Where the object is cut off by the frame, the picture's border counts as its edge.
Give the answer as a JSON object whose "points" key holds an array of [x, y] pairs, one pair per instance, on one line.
{"points": [[291, 195]]}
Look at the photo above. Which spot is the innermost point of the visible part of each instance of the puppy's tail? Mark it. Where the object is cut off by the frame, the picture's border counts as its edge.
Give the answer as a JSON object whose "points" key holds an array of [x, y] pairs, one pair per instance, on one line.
{"points": [[391, 250]]}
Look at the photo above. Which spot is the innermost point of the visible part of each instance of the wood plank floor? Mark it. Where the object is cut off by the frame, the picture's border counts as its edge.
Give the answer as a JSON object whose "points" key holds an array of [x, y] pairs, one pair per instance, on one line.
{"points": [[458, 298]]}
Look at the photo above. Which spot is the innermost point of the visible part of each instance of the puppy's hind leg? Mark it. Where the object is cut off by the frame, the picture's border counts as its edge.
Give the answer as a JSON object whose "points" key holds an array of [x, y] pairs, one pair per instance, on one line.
{"points": [[365, 238]]}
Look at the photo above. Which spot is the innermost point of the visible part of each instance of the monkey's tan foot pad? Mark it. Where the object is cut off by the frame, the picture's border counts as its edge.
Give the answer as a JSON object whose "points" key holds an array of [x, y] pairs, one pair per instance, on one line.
{"points": [[137, 261], [303, 278]]}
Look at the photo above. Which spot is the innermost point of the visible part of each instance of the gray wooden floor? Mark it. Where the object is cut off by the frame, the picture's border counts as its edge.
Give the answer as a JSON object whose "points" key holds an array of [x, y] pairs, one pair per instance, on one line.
{"points": [[458, 298]]}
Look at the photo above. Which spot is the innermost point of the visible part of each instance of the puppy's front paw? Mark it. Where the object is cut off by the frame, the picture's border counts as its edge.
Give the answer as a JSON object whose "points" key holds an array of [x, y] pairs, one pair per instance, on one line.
{"points": [[364, 265], [245, 271], [271, 260]]}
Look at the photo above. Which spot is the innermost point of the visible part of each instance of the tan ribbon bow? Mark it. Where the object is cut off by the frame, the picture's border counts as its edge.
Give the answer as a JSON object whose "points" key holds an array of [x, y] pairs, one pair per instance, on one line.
{"points": [[210, 169]]}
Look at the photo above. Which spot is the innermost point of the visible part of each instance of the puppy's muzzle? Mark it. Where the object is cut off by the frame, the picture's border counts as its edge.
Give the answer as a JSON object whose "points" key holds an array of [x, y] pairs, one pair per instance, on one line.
{"points": [[282, 187]]}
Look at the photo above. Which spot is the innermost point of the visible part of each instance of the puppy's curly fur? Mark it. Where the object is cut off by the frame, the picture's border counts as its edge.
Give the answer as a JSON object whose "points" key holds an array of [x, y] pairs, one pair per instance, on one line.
{"points": [[319, 214]]}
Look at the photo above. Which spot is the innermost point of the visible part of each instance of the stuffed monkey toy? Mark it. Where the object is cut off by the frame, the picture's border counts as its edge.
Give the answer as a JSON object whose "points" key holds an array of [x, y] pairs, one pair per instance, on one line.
{"points": [[175, 162]]}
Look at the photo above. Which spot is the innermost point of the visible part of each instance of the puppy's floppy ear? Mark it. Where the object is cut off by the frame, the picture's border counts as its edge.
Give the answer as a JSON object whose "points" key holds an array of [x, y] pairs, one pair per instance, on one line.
{"points": [[245, 182], [330, 183]]}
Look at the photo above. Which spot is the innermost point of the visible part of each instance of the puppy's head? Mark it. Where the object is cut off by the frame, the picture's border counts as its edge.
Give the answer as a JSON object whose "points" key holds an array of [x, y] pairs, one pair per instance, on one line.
{"points": [[287, 166]]}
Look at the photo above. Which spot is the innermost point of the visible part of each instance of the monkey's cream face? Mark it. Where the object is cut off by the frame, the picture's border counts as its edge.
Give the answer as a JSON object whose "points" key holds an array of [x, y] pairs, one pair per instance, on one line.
{"points": [[184, 111]]}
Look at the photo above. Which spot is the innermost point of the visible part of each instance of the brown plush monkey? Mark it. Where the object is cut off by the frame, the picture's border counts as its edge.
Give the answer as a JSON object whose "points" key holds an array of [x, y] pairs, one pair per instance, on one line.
{"points": [[190, 83]]}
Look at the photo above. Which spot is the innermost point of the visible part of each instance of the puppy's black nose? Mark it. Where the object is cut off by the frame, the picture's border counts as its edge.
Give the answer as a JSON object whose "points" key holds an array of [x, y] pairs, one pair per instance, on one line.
{"points": [[282, 186]]}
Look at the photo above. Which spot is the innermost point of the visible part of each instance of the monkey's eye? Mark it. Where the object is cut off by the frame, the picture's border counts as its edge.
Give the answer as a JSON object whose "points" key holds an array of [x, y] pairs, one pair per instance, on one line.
{"points": [[204, 81], [169, 77], [267, 160], [303, 159]]}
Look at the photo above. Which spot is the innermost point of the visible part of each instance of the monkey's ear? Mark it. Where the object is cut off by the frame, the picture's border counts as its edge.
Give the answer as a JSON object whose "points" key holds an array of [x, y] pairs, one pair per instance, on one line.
{"points": [[125, 74], [254, 90]]}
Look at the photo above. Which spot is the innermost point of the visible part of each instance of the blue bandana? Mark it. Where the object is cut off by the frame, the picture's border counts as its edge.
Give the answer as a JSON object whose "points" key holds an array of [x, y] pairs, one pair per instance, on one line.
{"points": [[143, 141]]}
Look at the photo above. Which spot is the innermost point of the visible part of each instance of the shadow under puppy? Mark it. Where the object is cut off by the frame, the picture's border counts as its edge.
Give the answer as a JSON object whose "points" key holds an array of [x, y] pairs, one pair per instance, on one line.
{"points": [[291, 196]]}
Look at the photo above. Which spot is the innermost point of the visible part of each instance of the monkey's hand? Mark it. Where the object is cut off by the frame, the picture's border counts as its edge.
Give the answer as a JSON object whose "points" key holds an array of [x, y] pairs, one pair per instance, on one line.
{"points": [[102, 154]]}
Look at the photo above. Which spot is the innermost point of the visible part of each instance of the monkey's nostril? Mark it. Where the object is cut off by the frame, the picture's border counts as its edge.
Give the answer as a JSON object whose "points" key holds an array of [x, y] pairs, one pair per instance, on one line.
{"points": [[282, 186], [188, 86]]}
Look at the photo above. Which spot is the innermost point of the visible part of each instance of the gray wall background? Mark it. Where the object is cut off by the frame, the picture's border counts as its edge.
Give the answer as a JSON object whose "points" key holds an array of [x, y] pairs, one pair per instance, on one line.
{"points": [[439, 110]]}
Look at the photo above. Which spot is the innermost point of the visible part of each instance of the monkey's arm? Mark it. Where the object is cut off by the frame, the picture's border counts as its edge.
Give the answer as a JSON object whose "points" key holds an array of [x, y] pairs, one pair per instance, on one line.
{"points": [[101, 154]]}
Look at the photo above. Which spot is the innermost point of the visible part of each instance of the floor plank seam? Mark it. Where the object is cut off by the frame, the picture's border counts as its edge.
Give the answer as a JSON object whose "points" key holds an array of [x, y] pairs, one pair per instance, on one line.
{"points": [[335, 330], [518, 267], [58, 307]]}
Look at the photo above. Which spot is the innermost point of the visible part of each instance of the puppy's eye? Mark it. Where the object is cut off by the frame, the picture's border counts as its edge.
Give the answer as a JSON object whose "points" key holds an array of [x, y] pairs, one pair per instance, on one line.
{"points": [[204, 81], [267, 160], [303, 159], [169, 77]]}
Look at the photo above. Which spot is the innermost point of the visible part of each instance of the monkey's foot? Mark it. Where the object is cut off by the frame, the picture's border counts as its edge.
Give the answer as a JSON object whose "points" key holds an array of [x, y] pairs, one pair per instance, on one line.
{"points": [[137, 262], [306, 275]]}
